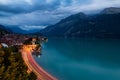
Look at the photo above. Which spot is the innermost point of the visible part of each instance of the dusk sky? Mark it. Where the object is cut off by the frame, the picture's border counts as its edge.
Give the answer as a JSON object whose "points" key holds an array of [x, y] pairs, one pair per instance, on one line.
{"points": [[29, 14]]}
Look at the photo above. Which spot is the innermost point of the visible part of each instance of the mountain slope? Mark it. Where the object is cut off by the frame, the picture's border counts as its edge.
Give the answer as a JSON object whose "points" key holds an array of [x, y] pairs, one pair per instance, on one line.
{"points": [[103, 25], [3, 30]]}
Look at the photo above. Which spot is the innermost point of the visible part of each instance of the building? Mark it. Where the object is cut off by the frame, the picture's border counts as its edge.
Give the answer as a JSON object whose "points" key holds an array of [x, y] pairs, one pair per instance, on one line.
{"points": [[4, 45], [33, 40]]}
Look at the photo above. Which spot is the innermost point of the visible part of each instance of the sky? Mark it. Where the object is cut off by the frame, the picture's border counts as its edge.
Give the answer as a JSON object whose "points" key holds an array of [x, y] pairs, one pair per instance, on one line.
{"points": [[37, 14]]}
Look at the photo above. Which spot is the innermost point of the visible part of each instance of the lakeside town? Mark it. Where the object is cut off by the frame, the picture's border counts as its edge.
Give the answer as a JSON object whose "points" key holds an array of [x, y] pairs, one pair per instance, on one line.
{"points": [[20, 40]]}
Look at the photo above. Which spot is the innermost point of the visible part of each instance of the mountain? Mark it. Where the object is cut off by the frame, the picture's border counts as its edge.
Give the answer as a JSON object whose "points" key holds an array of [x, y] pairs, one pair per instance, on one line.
{"points": [[111, 10], [17, 29], [106, 24], [3, 30]]}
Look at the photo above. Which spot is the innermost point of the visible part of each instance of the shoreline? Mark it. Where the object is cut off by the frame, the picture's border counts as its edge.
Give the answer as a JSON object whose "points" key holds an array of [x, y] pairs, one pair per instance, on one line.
{"points": [[34, 67]]}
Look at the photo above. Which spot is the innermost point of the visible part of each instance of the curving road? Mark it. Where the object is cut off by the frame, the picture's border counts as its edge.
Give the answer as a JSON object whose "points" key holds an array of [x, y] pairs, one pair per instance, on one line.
{"points": [[33, 66]]}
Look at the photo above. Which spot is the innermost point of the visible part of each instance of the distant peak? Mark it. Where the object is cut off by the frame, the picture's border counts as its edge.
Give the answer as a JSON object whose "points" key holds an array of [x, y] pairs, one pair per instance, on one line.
{"points": [[111, 10], [81, 14], [78, 15]]}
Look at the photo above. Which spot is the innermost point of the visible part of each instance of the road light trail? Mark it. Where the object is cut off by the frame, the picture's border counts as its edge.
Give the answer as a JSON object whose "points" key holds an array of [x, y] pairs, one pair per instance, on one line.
{"points": [[33, 66]]}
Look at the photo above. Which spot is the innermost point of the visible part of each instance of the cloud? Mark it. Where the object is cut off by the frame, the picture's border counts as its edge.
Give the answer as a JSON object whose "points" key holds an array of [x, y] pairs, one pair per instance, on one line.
{"points": [[47, 12], [34, 18], [91, 5], [27, 28], [28, 6]]}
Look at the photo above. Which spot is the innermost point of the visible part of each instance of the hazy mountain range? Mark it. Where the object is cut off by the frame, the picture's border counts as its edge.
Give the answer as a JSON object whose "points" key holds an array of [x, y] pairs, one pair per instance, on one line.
{"points": [[16, 29], [106, 24]]}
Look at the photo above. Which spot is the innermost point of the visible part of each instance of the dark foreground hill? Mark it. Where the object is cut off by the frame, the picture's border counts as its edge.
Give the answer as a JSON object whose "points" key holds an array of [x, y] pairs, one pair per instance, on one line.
{"points": [[12, 66]]}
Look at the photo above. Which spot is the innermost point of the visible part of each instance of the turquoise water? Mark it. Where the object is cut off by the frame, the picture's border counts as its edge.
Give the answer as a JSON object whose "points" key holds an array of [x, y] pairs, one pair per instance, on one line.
{"points": [[81, 59]]}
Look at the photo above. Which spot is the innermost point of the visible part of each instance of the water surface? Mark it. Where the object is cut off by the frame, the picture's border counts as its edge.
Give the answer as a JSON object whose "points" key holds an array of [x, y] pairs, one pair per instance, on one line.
{"points": [[81, 59]]}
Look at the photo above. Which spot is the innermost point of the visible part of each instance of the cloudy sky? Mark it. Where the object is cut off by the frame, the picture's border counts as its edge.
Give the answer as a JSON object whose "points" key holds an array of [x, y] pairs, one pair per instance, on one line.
{"points": [[29, 14]]}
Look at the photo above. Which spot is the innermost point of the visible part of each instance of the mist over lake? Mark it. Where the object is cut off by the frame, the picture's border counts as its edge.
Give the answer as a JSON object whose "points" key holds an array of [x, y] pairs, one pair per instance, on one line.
{"points": [[81, 59]]}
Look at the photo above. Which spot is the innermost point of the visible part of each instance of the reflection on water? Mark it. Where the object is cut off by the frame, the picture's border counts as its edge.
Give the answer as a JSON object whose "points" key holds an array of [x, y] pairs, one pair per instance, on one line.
{"points": [[81, 59]]}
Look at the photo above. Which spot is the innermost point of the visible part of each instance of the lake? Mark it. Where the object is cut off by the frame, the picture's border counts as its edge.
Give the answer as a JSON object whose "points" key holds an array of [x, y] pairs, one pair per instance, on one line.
{"points": [[81, 59]]}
